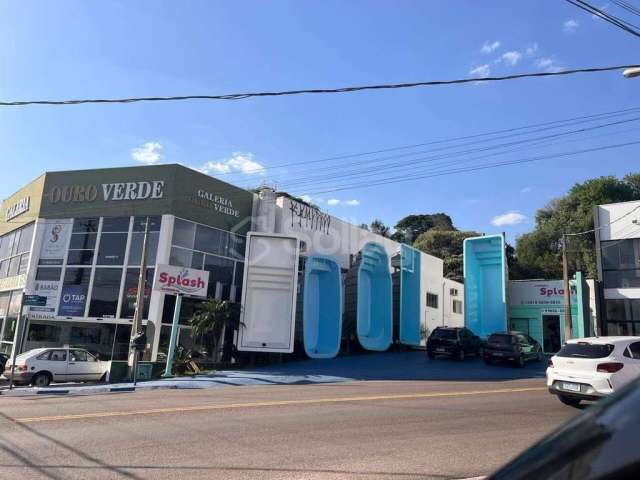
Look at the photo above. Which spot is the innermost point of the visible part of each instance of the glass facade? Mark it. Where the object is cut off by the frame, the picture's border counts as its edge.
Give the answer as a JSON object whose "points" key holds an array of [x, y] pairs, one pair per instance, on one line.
{"points": [[623, 316], [14, 251], [621, 263]]}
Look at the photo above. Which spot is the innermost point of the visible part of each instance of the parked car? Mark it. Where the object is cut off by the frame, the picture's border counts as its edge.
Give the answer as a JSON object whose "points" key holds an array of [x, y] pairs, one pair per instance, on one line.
{"points": [[515, 347], [3, 361], [598, 444], [456, 342], [591, 368], [42, 366]]}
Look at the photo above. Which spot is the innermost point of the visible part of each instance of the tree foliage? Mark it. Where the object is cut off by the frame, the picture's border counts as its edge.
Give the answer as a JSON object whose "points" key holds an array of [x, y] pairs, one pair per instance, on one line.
{"points": [[411, 227], [377, 226], [539, 253], [211, 317], [447, 245]]}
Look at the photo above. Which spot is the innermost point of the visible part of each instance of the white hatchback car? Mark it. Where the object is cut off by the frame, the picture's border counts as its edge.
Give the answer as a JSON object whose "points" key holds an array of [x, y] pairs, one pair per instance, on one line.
{"points": [[591, 368], [42, 366]]}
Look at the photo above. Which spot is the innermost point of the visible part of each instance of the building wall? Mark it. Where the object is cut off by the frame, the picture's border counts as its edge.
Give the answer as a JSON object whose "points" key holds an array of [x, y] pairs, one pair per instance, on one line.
{"points": [[618, 249]]}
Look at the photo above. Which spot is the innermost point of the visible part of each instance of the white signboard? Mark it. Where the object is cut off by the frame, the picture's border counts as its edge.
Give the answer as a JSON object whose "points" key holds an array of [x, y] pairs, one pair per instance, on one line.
{"points": [[181, 281], [269, 293], [54, 241], [540, 293], [50, 290], [18, 208]]}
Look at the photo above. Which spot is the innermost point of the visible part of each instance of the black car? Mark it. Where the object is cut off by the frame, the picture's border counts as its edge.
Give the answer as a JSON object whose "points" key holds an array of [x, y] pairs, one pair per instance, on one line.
{"points": [[456, 342], [599, 444], [515, 347]]}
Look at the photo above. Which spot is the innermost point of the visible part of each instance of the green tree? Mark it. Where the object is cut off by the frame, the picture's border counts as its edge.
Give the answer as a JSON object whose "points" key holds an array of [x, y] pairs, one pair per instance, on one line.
{"points": [[448, 245], [411, 227], [539, 253], [210, 319]]}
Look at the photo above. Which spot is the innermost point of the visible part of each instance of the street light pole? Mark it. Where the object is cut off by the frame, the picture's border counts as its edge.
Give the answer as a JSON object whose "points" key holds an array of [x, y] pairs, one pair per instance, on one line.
{"points": [[632, 72], [567, 292], [136, 327]]}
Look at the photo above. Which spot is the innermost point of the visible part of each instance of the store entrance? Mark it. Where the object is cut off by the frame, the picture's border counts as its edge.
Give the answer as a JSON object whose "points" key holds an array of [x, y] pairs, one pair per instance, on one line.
{"points": [[551, 333]]}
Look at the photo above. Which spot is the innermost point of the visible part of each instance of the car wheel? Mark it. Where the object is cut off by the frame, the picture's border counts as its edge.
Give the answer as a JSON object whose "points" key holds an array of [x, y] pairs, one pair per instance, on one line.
{"points": [[41, 380], [461, 355], [572, 402], [520, 362]]}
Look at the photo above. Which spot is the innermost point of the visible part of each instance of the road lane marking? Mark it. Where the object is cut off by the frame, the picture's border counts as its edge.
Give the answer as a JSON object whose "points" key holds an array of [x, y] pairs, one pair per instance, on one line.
{"points": [[275, 403]]}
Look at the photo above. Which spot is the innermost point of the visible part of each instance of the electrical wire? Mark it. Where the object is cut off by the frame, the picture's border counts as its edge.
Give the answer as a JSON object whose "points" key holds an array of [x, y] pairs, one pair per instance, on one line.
{"points": [[404, 178], [242, 96], [618, 22], [627, 6]]}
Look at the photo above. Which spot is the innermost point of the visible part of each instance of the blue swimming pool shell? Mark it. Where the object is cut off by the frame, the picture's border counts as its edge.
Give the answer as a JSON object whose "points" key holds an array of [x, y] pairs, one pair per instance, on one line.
{"points": [[374, 315]]}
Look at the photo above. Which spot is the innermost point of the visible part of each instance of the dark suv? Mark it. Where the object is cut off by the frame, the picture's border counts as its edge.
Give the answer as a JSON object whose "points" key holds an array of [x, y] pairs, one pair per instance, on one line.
{"points": [[511, 347], [456, 342]]}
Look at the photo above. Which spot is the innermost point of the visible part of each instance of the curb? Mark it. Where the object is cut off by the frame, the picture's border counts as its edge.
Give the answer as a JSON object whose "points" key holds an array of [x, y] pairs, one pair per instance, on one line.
{"points": [[66, 391]]}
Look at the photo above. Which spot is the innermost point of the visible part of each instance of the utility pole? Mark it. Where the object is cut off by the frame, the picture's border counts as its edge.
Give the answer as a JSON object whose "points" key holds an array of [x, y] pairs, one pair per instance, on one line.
{"points": [[567, 292], [136, 328]]}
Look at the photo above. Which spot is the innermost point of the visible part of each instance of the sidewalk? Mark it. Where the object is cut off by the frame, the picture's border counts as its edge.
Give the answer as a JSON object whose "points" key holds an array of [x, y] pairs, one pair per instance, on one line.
{"points": [[400, 366]]}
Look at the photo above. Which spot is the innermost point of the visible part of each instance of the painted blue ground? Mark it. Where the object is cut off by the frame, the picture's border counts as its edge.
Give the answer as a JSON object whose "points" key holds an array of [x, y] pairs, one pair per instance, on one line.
{"points": [[375, 366]]}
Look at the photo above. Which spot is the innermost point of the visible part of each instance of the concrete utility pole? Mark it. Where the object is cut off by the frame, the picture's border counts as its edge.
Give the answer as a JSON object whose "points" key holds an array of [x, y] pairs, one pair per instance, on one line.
{"points": [[136, 328], [567, 293]]}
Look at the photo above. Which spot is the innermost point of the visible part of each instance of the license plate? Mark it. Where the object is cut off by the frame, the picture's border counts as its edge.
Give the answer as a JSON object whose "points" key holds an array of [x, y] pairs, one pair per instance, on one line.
{"points": [[440, 349], [497, 354], [573, 387]]}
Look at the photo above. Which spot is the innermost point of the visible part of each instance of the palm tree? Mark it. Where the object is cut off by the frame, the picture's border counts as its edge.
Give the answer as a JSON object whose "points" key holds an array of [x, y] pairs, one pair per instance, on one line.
{"points": [[211, 318]]}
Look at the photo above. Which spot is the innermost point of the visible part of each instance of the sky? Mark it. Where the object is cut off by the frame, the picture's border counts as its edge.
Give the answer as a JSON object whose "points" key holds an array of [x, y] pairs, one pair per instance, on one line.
{"points": [[78, 49]]}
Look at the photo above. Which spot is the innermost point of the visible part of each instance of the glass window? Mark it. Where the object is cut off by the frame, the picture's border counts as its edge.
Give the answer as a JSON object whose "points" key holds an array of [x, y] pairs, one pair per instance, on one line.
{"points": [[77, 356], [15, 240], [4, 268], [105, 292], [4, 303], [237, 245], [183, 233], [121, 343], [457, 306], [181, 257], [25, 239], [83, 241], [585, 350], [501, 339], [130, 294], [432, 300], [48, 274], [77, 276], [24, 263], [446, 333], [112, 248], [44, 356], [621, 310], [135, 250], [85, 335], [139, 223], [58, 356], [115, 224], [633, 351], [220, 271], [14, 265], [9, 329], [621, 254], [623, 328], [14, 304], [622, 278], [80, 257], [211, 240], [86, 225], [42, 332]]}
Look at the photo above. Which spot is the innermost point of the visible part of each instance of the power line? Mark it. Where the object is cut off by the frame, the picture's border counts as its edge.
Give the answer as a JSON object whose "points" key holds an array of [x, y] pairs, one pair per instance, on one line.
{"points": [[322, 178], [618, 22], [404, 178], [627, 6], [603, 226], [546, 126], [242, 96]]}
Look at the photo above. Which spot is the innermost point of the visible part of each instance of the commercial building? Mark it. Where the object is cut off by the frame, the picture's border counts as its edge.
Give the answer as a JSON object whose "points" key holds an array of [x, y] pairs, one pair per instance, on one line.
{"points": [[75, 238], [617, 229]]}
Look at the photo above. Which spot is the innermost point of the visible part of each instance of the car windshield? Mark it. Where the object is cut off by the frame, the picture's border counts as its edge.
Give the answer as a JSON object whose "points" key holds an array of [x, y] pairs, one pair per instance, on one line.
{"points": [[585, 350], [500, 338], [442, 333]]}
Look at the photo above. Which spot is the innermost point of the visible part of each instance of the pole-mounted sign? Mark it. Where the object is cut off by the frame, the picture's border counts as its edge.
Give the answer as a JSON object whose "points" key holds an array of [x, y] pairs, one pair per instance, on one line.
{"points": [[179, 281]]}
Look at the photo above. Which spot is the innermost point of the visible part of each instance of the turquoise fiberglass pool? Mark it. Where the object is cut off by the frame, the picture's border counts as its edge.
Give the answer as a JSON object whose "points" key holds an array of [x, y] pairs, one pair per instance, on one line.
{"points": [[409, 295], [485, 310], [375, 314], [322, 307]]}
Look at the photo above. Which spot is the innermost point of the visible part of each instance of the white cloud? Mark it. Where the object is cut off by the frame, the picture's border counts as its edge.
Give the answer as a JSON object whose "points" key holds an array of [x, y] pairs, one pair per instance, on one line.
{"points": [[548, 64], [239, 162], [333, 201], [352, 203], [481, 71], [526, 190], [306, 198], [148, 153], [489, 47], [510, 218], [570, 26], [532, 49], [512, 58]]}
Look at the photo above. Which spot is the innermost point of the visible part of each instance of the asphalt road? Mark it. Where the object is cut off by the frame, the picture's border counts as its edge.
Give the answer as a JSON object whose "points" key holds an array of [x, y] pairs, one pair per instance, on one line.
{"points": [[373, 429]]}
